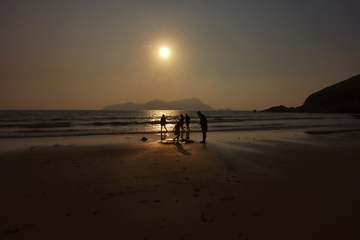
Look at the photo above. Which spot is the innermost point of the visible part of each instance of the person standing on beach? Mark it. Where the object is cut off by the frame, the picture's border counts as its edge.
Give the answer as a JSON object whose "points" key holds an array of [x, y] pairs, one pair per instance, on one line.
{"points": [[187, 122], [163, 122], [203, 124], [182, 122]]}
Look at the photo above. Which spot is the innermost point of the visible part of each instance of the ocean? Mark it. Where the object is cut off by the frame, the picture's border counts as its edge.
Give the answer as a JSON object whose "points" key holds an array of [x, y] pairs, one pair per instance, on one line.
{"points": [[26, 124]]}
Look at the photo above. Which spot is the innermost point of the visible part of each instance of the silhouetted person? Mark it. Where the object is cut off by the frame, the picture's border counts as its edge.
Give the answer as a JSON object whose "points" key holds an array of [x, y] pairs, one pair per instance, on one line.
{"points": [[203, 124], [182, 122], [176, 131], [187, 122], [163, 122]]}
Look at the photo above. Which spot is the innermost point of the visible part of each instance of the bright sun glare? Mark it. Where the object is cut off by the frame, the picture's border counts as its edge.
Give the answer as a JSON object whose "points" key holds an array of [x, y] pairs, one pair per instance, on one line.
{"points": [[164, 52]]}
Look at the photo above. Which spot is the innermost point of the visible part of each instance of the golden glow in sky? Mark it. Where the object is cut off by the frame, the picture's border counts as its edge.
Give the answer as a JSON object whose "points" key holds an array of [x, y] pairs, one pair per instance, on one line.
{"points": [[164, 52], [221, 53]]}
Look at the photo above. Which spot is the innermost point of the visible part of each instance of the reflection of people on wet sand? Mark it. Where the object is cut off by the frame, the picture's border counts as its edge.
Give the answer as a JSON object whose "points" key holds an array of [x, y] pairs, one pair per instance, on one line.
{"points": [[162, 136], [176, 131], [203, 124], [187, 121], [163, 122]]}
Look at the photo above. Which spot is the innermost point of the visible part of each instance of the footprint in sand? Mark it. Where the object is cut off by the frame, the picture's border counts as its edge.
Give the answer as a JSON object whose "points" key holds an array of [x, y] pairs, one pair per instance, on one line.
{"points": [[13, 231]]}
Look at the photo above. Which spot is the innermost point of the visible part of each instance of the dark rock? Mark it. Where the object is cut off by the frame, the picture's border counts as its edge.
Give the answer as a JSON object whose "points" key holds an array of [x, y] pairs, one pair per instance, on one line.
{"points": [[343, 97], [280, 108]]}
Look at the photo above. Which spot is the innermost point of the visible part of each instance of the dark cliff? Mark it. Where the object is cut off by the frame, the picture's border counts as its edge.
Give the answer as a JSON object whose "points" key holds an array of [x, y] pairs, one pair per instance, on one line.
{"points": [[342, 97]]}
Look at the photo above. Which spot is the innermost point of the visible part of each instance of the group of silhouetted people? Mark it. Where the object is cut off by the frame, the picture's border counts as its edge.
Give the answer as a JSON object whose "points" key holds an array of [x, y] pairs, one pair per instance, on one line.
{"points": [[186, 120]]}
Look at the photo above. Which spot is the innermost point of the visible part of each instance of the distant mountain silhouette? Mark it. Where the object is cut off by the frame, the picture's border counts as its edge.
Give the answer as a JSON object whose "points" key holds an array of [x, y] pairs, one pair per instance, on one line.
{"points": [[342, 97], [155, 105], [280, 108], [184, 104]]}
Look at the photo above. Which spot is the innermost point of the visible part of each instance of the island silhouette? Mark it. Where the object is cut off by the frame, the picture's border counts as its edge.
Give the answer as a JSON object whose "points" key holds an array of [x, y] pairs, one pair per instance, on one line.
{"points": [[183, 104]]}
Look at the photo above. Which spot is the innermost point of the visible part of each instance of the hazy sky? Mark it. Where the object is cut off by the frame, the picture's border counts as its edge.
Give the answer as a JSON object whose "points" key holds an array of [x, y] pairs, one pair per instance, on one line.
{"points": [[230, 54]]}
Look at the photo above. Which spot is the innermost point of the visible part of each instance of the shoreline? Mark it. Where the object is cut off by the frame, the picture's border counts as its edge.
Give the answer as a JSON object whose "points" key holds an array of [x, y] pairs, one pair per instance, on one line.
{"points": [[9, 144], [240, 185]]}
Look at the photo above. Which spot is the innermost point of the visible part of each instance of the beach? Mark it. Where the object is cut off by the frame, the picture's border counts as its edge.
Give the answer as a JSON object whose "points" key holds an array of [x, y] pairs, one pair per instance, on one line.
{"points": [[240, 185]]}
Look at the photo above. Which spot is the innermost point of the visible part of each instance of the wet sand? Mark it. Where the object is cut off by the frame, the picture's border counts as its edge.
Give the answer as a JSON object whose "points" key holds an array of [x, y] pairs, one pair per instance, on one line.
{"points": [[240, 185]]}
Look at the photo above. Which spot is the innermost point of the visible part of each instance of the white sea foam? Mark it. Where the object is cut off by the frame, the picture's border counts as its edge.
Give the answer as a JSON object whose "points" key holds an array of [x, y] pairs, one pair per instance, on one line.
{"points": [[76, 123]]}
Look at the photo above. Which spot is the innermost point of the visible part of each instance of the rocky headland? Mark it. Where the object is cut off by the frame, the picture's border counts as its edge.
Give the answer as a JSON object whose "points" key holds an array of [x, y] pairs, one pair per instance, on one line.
{"points": [[342, 97]]}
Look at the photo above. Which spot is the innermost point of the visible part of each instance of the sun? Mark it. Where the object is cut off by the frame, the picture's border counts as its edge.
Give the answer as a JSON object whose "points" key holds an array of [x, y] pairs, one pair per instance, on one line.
{"points": [[164, 52]]}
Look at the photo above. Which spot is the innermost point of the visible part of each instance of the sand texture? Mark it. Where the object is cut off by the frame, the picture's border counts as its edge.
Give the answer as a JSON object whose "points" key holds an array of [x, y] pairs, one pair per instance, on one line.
{"points": [[253, 185]]}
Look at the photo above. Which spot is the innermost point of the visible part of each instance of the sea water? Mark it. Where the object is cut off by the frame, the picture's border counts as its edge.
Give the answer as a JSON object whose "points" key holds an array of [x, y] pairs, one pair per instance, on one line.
{"points": [[15, 124]]}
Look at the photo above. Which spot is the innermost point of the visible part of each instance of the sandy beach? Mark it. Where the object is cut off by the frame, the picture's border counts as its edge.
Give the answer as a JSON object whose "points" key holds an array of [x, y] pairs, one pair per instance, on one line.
{"points": [[240, 185]]}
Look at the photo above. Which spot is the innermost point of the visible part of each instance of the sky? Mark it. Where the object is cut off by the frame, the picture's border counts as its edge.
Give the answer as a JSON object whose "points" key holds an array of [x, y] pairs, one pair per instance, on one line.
{"points": [[237, 54]]}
